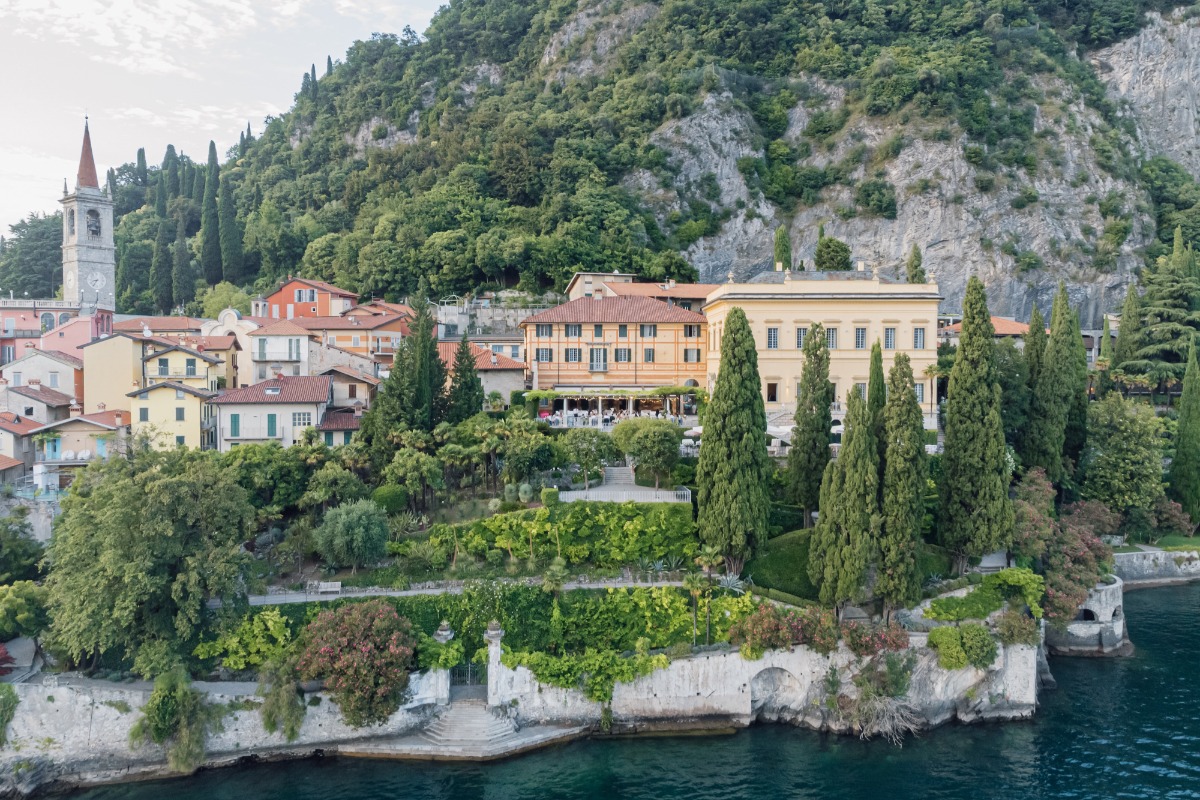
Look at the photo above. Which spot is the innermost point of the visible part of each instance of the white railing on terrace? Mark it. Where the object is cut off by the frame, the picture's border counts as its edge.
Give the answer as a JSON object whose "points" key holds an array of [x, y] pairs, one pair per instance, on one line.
{"points": [[637, 495]]}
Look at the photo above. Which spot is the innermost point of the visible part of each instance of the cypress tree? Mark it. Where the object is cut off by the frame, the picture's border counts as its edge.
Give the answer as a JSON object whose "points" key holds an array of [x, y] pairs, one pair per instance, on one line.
{"points": [[903, 509], [734, 471], [1075, 437], [809, 452], [1183, 482], [876, 399], [328, 66], [783, 248], [1129, 333], [110, 180], [140, 173], [313, 81], [170, 166], [1104, 381], [198, 185], [388, 415], [976, 517], [160, 266], [231, 233], [182, 288], [1170, 322], [1035, 346], [845, 538], [160, 195], [466, 390], [914, 268], [1046, 431], [428, 373], [210, 234]]}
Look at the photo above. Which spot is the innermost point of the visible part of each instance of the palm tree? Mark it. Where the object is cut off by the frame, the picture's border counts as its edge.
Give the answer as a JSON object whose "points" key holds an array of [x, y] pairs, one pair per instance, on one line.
{"points": [[555, 577], [695, 584], [708, 558]]}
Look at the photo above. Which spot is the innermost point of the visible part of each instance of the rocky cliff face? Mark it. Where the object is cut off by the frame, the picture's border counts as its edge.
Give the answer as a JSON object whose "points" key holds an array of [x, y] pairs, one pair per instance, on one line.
{"points": [[1155, 76]]}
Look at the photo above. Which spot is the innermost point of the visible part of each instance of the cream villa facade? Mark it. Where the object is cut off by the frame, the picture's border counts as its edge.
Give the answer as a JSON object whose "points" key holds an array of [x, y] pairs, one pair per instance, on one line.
{"points": [[856, 309]]}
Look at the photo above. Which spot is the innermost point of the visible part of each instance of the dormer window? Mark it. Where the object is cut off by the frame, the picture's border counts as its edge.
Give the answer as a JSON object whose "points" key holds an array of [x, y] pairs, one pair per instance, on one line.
{"points": [[272, 390]]}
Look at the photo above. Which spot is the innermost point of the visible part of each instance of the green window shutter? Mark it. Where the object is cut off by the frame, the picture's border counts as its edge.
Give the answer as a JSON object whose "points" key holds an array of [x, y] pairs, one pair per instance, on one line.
{"points": [[235, 424], [271, 425], [329, 438]]}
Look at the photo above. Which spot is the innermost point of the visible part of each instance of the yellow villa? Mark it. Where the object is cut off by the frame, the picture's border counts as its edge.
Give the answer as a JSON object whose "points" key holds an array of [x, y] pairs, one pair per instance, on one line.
{"points": [[856, 309]]}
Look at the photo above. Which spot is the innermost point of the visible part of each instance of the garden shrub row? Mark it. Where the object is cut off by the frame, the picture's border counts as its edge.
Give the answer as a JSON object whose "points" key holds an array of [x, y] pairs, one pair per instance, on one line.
{"points": [[1015, 583]]}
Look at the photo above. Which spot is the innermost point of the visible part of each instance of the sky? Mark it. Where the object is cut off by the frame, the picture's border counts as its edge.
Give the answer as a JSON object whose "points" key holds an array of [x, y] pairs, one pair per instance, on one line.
{"points": [[152, 72]]}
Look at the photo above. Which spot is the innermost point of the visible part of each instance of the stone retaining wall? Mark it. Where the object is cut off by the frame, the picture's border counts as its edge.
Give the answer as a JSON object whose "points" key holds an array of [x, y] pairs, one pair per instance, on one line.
{"points": [[1156, 567], [1099, 630]]}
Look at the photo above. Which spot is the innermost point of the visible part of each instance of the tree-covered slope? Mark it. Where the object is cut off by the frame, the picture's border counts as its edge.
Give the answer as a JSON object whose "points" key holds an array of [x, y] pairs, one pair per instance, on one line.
{"points": [[520, 141]]}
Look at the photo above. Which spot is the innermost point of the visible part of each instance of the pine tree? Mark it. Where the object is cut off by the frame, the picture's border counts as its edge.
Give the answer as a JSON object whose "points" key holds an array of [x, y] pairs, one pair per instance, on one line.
{"points": [[809, 452], [783, 248], [210, 234], [161, 265], [914, 268], [466, 390], [1075, 436], [876, 399], [1183, 483], [899, 582], [1169, 320], [160, 195], [231, 233], [182, 285], [1104, 381], [1047, 427], [734, 471], [140, 173], [845, 539], [976, 516], [1129, 332]]}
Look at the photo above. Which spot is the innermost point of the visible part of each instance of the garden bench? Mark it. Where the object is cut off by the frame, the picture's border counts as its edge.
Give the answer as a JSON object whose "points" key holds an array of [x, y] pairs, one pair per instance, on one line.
{"points": [[325, 587]]}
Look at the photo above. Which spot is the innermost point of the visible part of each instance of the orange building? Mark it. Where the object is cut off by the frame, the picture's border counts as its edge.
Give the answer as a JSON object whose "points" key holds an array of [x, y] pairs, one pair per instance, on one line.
{"points": [[375, 336], [301, 297]]}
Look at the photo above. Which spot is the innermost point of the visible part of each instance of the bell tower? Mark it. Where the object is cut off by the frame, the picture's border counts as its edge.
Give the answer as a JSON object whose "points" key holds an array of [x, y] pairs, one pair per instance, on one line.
{"points": [[89, 256]]}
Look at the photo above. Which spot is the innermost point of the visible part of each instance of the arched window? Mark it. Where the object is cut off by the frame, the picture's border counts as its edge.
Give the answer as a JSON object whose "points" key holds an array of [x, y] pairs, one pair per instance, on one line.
{"points": [[63, 318], [93, 223], [47, 321], [71, 222]]}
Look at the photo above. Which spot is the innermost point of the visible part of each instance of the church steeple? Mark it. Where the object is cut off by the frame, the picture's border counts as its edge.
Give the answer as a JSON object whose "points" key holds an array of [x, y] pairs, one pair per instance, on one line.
{"points": [[86, 178]]}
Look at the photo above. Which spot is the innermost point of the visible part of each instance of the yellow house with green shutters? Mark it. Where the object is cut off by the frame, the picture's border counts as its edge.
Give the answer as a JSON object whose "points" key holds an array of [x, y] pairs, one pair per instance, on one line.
{"points": [[173, 414]]}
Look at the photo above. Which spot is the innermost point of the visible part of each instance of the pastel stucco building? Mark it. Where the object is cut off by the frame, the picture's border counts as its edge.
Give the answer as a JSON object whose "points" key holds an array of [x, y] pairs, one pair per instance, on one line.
{"points": [[276, 410]]}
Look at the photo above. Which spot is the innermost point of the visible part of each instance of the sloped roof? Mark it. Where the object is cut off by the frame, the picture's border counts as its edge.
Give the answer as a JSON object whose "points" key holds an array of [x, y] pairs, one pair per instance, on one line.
{"points": [[225, 342], [615, 309], [684, 291], [7, 463], [325, 287], [172, 385], [483, 357], [101, 419], [158, 324], [1004, 326], [170, 346], [86, 177], [73, 361], [376, 307], [43, 394], [15, 423], [353, 323], [280, 327], [350, 372], [340, 421], [284, 389]]}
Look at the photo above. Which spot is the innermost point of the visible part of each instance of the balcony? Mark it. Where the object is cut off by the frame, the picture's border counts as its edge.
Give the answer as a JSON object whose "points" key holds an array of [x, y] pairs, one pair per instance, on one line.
{"points": [[598, 366], [275, 355], [67, 457]]}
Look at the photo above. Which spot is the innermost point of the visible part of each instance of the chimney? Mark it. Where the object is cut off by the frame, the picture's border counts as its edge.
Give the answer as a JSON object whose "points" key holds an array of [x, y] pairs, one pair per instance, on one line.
{"points": [[100, 407], [493, 359], [671, 283], [358, 409], [120, 419], [35, 382], [75, 410]]}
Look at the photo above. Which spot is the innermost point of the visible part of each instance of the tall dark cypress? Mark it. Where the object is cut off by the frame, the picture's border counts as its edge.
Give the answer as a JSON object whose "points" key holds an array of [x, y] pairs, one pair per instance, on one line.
{"points": [[210, 234], [876, 399], [899, 581], [328, 66], [1035, 346], [170, 166], [428, 373], [182, 286], [976, 516], [466, 390], [1075, 436], [160, 195], [1047, 426], [161, 265], [231, 234], [1129, 332], [1183, 484], [809, 452], [140, 173], [313, 81]]}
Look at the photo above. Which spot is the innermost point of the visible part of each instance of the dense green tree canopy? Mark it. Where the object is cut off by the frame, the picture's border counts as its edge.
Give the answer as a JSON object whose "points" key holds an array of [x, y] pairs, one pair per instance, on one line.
{"points": [[809, 452]]}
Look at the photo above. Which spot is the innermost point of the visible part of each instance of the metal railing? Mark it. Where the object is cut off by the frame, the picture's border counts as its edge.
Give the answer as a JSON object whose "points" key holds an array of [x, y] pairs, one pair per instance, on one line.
{"points": [[637, 495]]}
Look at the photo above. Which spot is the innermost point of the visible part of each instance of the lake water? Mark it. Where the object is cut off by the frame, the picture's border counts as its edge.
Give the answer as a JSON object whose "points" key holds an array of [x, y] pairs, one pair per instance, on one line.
{"points": [[1123, 728]]}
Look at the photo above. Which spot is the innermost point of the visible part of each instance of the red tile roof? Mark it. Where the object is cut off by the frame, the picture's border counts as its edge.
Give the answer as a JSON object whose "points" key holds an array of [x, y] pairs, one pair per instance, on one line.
{"points": [[9, 463], [615, 309], [42, 394], [340, 421], [159, 324], [66, 358], [281, 327], [685, 291], [358, 322], [284, 389], [14, 423], [376, 307], [484, 358], [171, 385], [325, 287], [103, 419], [350, 372], [172, 345], [1003, 325], [225, 342]]}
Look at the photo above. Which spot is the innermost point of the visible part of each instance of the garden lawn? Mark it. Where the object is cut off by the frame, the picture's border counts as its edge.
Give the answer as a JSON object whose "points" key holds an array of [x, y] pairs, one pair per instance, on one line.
{"points": [[784, 566], [1179, 543]]}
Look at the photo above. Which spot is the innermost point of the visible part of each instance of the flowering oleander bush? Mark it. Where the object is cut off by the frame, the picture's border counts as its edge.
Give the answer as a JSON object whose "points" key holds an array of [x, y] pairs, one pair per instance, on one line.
{"points": [[364, 652], [865, 639], [1016, 628], [770, 627]]}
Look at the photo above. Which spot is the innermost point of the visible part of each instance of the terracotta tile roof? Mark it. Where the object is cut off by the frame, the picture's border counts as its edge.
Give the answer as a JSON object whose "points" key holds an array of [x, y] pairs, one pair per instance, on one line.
{"points": [[1004, 327], [225, 342], [43, 394], [684, 291], [86, 176], [354, 323], [615, 309], [66, 358], [103, 419], [284, 389], [158, 324], [353, 373], [281, 327], [376, 307], [172, 385], [170, 346], [7, 463], [15, 423], [340, 421], [325, 287], [483, 357]]}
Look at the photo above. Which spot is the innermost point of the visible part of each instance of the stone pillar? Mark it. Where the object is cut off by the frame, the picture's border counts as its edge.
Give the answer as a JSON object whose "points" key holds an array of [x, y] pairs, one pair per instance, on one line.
{"points": [[441, 676], [493, 636]]}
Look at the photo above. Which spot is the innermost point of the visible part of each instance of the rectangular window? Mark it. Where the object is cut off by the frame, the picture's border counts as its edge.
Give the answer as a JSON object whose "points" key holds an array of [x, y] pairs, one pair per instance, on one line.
{"points": [[686, 305], [918, 338], [861, 388], [573, 355], [298, 295], [329, 438], [772, 338], [262, 373], [189, 368], [649, 331], [622, 331], [598, 331], [831, 338], [648, 355], [179, 414], [801, 335], [920, 390], [622, 355], [772, 392], [180, 441], [164, 367], [272, 425], [312, 295], [352, 391], [262, 348], [691, 331], [179, 394], [355, 341], [16, 379], [235, 424], [516, 351], [143, 414], [573, 331], [860, 338], [301, 419], [691, 355], [598, 359], [544, 331], [53, 380], [544, 355]]}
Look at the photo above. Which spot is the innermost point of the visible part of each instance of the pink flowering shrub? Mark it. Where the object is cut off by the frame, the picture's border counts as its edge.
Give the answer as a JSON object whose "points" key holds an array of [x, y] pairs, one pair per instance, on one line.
{"points": [[770, 627], [363, 651], [868, 640]]}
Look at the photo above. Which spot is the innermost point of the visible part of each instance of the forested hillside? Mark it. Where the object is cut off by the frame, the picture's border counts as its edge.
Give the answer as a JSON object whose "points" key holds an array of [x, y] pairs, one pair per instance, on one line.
{"points": [[520, 141]]}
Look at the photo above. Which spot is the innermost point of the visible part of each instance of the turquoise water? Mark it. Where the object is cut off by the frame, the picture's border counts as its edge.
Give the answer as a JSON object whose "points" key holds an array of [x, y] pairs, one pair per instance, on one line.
{"points": [[1127, 728]]}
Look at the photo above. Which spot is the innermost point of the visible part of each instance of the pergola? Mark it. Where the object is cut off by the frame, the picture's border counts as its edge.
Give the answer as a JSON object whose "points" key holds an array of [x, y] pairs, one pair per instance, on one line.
{"points": [[588, 398]]}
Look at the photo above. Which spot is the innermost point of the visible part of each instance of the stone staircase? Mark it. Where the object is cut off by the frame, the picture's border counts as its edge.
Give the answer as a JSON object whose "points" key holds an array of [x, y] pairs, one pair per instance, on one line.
{"points": [[468, 724], [619, 478]]}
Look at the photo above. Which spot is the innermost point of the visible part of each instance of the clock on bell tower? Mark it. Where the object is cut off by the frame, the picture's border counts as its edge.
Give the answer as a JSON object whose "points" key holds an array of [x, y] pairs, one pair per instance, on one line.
{"points": [[89, 255]]}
